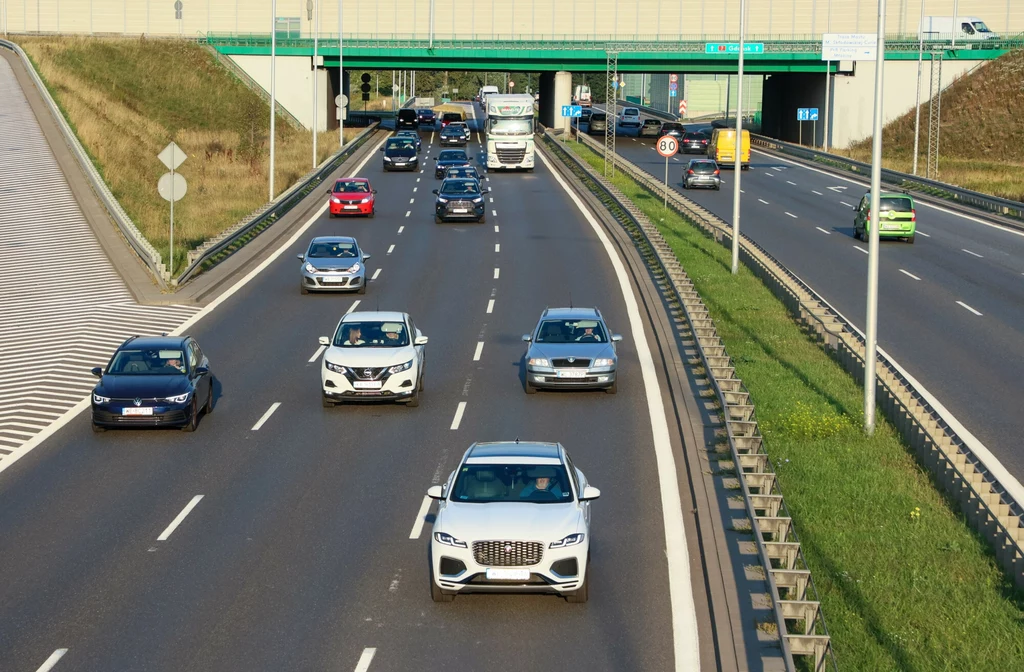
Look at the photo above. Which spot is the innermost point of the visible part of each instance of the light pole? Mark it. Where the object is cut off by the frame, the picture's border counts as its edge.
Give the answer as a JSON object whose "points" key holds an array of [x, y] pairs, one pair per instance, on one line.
{"points": [[920, 59], [341, 77], [828, 86], [738, 151], [313, 6], [273, 87], [871, 330], [956, 7]]}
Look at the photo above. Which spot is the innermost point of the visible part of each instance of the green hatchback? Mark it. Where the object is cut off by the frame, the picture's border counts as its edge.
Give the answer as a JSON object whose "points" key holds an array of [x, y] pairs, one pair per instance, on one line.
{"points": [[897, 217]]}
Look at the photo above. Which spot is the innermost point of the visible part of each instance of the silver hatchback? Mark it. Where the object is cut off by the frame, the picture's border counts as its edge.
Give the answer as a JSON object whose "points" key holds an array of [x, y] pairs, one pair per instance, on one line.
{"points": [[571, 348], [702, 173], [333, 264]]}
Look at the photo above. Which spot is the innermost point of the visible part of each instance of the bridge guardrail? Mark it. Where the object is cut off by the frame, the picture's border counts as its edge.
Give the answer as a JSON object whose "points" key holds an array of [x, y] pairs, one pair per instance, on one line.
{"points": [[921, 185], [961, 464], [781, 557], [142, 247]]}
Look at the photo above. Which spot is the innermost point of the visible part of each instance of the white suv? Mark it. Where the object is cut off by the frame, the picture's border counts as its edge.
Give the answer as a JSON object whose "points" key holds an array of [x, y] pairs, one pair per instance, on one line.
{"points": [[630, 117], [373, 356], [514, 517]]}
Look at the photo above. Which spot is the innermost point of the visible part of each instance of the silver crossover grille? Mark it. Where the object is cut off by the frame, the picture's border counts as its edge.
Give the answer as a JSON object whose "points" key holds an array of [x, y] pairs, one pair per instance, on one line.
{"points": [[507, 553]]}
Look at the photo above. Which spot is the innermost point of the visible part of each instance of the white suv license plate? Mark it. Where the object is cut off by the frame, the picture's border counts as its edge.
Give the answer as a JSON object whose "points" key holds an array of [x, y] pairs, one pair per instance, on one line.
{"points": [[508, 574], [571, 373], [142, 410], [367, 384]]}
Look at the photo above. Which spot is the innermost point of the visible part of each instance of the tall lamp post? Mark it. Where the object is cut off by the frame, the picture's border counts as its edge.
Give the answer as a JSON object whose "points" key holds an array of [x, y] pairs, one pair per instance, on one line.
{"points": [[738, 152], [313, 7], [341, 77], [273, 88], [871, 330], [917, 115]]}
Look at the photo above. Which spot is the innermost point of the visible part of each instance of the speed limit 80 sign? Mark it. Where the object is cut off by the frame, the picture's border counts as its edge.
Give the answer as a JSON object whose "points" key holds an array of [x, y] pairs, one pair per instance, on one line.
{"points": [[667, 146]]}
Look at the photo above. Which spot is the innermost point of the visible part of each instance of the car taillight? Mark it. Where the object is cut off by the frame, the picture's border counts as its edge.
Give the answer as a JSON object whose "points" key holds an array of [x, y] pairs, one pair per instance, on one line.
{"points": [[716, 171], [690, 171], [913, 215], [704, 142]]}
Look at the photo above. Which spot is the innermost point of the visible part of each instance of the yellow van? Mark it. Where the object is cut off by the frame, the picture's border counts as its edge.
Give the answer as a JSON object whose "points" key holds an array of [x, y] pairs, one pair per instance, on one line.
{"points": [[722, 147]]}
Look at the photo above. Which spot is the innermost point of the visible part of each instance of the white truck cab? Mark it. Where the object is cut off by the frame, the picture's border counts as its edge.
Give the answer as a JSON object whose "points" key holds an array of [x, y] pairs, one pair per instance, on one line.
{"points": [[962, 28]]}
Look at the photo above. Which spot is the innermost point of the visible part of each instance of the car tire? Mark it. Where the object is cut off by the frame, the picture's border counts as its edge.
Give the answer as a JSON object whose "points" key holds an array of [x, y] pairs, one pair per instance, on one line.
{"points": [[530, 389], [330, 215], [303, 290], [373, 213], [482, 220], [414, 400], [193, 422], [362, 288], [208, 408], [718, 187], [686, 185], [436, 594], [581, 594], [910, 239], [327, 403], [437, 220], [613, 388], [97, 428]]}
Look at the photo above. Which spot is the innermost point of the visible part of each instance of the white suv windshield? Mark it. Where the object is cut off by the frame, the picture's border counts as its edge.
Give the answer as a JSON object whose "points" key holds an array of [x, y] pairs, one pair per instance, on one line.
{"points": [[486, 483], [371, 335]]}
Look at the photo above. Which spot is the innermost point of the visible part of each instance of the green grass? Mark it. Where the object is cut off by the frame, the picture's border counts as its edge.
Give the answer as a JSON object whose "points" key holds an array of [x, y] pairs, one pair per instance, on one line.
{"points": [[904, 583]]}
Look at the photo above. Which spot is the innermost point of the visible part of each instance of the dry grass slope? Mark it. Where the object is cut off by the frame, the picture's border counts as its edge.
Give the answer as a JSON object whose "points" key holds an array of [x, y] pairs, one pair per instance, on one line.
{"points": [[127, 98], [982, 137]]}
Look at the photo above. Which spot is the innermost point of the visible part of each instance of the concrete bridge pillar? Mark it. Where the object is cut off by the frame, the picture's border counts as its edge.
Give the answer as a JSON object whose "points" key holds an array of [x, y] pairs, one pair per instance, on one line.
{"points": [[555, 91]]}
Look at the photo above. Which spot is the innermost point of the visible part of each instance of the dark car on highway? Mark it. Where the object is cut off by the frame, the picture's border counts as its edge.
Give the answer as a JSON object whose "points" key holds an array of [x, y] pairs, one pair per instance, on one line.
{"points": [[426, 117], [452, 136], [449, 158], [702, 173], [459, 198], [400, 154], [693, 142], [449, 117], [598, 123], [673, 128], [463, 171], [407, 120], [153, 381]]}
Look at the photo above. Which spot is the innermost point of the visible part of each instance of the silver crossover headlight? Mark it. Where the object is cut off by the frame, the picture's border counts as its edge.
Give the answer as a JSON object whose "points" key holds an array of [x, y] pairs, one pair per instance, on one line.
{"points": [[354, 268], [603, 362], [448, 540], [310, 268], [538, 361], [331, 366], [180, 399], [398, 368], [100, 400], [571, 540]]}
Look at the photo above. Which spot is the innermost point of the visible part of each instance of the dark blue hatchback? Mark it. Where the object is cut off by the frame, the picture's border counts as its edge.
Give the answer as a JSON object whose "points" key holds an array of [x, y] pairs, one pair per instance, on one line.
{"points": [[161, 381]]}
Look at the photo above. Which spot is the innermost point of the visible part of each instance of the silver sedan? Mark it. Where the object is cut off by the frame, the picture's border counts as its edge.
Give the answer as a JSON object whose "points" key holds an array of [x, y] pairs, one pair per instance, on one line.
{"points": [[333, 264], [571, 348]]}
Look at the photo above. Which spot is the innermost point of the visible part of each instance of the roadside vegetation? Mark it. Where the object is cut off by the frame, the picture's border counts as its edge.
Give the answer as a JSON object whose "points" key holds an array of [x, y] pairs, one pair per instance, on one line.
{"points": [[981, 142], [127, 98], [904, 583]]}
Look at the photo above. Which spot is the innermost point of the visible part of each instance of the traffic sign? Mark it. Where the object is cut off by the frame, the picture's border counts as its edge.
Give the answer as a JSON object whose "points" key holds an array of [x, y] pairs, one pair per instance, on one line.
{"points": [[673, 93], [341, 100], [733, 48], [682, 108], [806, 114], [572, 110], [172, 186], [172, 156], [672, 79], [672, 86], [511, 85], [667, 146], [849, 47]]}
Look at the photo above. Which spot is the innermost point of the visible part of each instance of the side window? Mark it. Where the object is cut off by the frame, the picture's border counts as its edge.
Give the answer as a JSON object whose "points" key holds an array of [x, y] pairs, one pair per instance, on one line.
{"points": [[193, 360], [572, 474], [967, 28]]}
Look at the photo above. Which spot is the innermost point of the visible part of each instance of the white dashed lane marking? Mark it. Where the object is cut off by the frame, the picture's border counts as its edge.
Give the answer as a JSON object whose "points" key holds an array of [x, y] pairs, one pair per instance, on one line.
{"points": [[972, 253], [266, 416], [459, 412], [479, 351], [490, 306], [964, 305], [908, 273], [364, 660], [402, 228], [497, 272], [376, 274], [181, 516], [497, 247], [316, 355], [421, 515], [391, 249], [827, 233], [763, 201], [52, 660]]}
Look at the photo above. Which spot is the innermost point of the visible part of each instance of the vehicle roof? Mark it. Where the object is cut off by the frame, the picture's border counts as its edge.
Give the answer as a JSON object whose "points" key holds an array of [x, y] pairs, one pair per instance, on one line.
{"points": [[154, 342], [514, 452], [374, 316], [333, 239], [571, 312]]}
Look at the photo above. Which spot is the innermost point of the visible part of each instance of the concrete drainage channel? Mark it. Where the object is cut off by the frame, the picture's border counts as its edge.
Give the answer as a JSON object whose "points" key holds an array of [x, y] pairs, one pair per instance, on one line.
{"points": [[791, 590]]}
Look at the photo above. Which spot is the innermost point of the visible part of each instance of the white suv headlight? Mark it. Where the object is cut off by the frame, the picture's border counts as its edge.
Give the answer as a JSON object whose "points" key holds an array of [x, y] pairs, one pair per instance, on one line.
{"points": [[603, 362], [571, 540], [100, 400], [538, 361], [180, 399], [448, 540], [331, 366], [398, 368]]}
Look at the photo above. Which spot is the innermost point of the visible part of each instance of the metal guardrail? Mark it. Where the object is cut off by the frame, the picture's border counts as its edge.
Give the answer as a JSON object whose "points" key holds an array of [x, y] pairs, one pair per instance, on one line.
{"points": [[957, 462], [781, 557], [921, 185], [147, 253]]}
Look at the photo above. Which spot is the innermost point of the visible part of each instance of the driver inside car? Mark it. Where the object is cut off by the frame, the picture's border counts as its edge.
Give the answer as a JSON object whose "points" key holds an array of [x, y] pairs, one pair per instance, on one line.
{"points": [[542, 482]]}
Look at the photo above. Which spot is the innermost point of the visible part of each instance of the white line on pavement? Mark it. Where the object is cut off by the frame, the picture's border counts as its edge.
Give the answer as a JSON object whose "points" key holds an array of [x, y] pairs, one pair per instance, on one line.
{"points": [[490, 306], [858, 247], [376, 274], [479, 351], [497, 247], [817, 192], [793, 183], [458, 415], [431, 139], [777, 168], [770, 174], [908, 273], [494, 213], [181, 516], [497, 272], [316, 355], [412, 200], [418, 179], [846, 204], [791, 214], [352, 307], [974, 253], [408, 212], [364, 660], [922, 233], [763, 201], [52, 660], [496, 229], [266, 416], [415, 189], [964, 305], [490, 199], [417, 526], [827, 233], [391, 249], [400, 229]]}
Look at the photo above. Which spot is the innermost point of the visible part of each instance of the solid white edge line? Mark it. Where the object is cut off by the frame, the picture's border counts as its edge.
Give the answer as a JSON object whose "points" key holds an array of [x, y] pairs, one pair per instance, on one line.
{"points": [[497, 272], [909, 274], [52, 660], [266, 416], [827, 233], [316, 355], [364, 660], [9, 460], [459, 411], [421, 515], [964, 305], [479, 351], [353, 306], [684, 618], [180, 517]]}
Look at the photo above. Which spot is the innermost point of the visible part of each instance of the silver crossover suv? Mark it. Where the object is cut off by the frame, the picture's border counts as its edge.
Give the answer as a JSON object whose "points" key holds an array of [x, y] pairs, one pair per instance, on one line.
{"points": [[333, 263], [571, 347]]}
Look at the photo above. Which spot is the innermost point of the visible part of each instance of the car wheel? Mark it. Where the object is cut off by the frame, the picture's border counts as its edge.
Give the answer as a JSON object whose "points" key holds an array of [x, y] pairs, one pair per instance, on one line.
{"points": [[482, 219], [422, 376], [530, 389], [373, 213], [362, 287], [613, 388], [194, 420], [582, 594], [414, 400], [208, 408], [327, 403], [303, 290], [97, 428], [910, 239], [436, 594], [330, 215], [686, 185], [718, 187], [437, 220]]}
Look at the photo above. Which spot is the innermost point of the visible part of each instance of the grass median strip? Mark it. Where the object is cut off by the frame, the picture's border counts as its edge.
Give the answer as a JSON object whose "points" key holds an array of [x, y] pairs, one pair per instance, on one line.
{"points": [[904, 583]]}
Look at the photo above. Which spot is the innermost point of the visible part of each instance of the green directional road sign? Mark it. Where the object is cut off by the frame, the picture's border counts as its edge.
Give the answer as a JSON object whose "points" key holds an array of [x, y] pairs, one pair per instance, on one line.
{"points": [[733, 48]]}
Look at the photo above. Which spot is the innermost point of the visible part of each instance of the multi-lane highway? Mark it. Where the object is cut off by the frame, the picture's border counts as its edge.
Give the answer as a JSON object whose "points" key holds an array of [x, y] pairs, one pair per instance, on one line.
{"points": [[285, 536], [951, 306]]}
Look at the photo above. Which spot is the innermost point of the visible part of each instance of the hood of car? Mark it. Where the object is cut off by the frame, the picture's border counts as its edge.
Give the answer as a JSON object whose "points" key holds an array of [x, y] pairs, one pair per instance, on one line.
{"points": [[369, 356], [587, 350], [527, 521], [144, 386], [332, 263], [350, 196]]}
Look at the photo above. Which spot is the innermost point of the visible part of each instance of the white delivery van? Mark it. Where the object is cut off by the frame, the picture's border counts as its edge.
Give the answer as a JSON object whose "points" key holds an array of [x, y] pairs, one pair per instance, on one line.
{"points": [[484, 92], [963, 28]]}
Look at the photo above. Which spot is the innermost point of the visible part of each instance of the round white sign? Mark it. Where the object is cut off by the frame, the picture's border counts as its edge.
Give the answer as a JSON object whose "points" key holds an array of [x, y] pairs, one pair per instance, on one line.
{"points": [[667, 146]]}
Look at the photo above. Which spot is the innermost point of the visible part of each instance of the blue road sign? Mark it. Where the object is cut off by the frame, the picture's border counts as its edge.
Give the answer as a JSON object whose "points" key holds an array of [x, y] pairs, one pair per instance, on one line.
{"points": [[572, 110], [806, 114], [733, 48], [673, 92], [814, 114]]}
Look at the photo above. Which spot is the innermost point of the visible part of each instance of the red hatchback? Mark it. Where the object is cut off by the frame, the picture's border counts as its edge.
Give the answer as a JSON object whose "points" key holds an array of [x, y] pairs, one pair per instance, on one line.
{"points": [[352, 196]]}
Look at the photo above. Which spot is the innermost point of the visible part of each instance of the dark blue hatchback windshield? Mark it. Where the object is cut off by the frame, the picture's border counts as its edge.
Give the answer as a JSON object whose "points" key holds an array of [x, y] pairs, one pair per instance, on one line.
{"points": [[153, 362]]}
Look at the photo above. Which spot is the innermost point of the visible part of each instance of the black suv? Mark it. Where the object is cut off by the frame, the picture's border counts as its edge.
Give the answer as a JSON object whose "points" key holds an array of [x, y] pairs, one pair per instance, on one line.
{"points": [[449, 158], [407, 120], [400, 154], [694, 142], [452, 136], [153, 381], [460, 198]]}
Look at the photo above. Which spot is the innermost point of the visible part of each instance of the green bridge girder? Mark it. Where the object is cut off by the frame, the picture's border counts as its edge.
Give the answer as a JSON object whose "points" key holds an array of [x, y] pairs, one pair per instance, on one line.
{"points": [[646, 56]]}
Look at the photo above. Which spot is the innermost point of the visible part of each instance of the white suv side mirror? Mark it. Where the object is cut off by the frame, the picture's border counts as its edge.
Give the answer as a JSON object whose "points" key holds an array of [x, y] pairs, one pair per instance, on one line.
{"points": [[589, 493], [324, 340], [435, 492], [421, 340]]}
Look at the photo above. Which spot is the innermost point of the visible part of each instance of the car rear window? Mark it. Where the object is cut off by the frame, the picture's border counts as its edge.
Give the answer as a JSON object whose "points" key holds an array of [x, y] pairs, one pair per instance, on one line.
{"points": [[672, 126], [631, 111], [652, 122], [599, 116], [897, 204], [703, 167], [451, 116], [694, 136]]}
